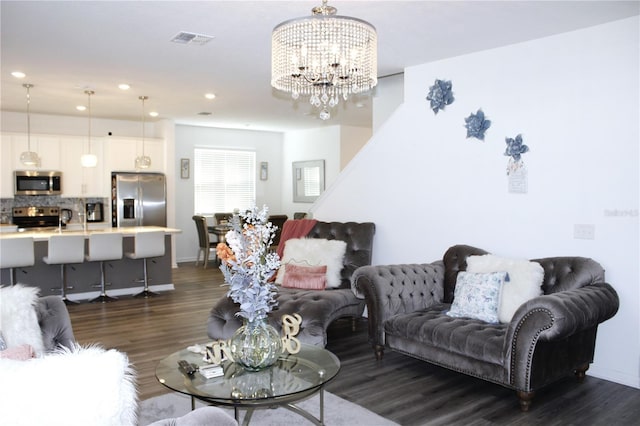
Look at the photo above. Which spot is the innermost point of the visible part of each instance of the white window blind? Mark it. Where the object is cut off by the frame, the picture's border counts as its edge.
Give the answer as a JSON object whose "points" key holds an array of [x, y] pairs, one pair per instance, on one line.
{"points": [[224, 180], [311, 181]]}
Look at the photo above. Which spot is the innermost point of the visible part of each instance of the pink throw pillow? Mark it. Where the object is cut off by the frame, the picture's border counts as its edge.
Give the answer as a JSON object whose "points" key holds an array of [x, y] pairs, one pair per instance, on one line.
{"points": [[18, 353], [305, 277]]}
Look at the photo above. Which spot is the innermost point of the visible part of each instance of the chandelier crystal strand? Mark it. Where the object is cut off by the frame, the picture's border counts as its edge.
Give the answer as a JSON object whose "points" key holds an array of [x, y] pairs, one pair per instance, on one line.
{"points": [[28, 157], [89, 160], [324, 57]]}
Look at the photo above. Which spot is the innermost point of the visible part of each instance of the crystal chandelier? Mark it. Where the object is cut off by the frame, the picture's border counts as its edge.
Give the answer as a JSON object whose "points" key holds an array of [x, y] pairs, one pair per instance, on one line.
{"points": [[324, 56], [28, 157], [143, 161], [89, 159]]}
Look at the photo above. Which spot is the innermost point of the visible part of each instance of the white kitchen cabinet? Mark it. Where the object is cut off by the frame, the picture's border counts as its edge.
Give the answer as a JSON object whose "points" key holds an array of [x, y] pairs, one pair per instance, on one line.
{"points": [[78, 181], [13, 144], [154, 148], [121, 153], [6, 168], [46, 146]]}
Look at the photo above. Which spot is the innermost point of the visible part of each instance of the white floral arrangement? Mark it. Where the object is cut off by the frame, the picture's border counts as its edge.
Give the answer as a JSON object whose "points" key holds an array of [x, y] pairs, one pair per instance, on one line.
{"points": [[248, 265]]}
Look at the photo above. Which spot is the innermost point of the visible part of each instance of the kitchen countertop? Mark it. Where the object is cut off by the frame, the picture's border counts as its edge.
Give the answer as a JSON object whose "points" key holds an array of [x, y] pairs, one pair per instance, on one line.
{"points": [[43, 235]]}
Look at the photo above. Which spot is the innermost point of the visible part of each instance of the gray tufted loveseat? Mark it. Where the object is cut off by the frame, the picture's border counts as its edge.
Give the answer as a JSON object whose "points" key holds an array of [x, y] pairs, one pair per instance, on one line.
{"points": [[548, 338], [317, 308]]}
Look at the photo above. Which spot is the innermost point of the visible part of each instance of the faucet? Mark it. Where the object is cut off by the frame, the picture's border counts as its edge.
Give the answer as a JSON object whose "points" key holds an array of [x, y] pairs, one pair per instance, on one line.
{"points": [[83, 214]]}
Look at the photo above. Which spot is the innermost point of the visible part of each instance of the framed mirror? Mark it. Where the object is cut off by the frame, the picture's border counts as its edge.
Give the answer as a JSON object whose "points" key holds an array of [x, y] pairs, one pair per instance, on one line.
{"points": [[308, 180]]}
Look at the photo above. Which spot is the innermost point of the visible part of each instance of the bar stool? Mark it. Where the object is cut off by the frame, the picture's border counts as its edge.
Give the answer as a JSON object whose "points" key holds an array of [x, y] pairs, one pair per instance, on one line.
{"points": [[16, 253], [147, 244], [62, 250], [104, 246]]}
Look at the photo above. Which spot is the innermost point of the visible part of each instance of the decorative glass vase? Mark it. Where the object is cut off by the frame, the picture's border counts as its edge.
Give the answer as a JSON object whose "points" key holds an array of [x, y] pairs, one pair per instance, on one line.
{"points": [[256, 345]]}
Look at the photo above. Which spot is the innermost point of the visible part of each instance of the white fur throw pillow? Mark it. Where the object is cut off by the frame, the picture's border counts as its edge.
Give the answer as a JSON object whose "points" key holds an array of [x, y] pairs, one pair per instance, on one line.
{"points": [[315, 252], [77, 386], [18, 317], [523, 283]]}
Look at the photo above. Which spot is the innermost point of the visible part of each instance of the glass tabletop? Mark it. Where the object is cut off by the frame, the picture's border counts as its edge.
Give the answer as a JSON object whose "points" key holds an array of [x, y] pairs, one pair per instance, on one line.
{"points": [[291, 378]]}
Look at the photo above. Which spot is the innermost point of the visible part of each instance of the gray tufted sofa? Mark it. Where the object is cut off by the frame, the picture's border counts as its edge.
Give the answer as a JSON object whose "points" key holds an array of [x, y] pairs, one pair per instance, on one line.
{"points": [[548, 338], [317, 308]]}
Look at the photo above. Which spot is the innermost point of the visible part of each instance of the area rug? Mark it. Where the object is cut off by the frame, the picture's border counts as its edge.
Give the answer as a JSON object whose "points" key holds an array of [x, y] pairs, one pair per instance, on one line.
{"points": [[337, 411]]}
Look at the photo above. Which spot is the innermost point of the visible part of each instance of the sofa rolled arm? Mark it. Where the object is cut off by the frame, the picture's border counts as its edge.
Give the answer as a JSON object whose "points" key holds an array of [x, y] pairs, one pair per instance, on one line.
{"points": [[55, 323], [553, 317], [394, 289], [570, 311]]}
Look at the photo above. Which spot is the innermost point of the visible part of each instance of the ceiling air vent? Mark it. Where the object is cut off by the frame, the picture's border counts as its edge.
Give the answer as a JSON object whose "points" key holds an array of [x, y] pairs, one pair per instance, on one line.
{"points": [[204, 113], [184, 37]]}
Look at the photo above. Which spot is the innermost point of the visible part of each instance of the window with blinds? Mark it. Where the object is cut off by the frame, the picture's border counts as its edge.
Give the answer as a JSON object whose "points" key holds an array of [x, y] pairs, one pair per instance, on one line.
{"points": [[223, 180]]}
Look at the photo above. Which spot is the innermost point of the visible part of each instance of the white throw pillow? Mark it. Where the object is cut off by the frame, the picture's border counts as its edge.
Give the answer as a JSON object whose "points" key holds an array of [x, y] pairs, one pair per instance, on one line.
{"points": [[523, 283], [315, 252], [18, 317]]}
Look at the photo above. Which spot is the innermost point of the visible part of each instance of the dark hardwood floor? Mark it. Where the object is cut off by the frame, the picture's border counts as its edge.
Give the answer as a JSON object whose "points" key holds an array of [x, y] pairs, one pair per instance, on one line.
{"points": [[400, 388]]}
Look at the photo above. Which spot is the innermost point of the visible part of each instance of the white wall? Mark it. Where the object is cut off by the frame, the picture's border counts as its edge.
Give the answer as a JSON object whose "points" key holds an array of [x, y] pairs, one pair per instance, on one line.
{"points": [[352, 139], [388, 95], [575, 99], [268, 147], [304, 145]]}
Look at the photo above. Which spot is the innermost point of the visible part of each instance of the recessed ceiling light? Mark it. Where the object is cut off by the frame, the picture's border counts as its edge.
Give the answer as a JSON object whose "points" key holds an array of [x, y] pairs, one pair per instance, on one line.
{"points": [[153, 114], [210, 95], [81, 107], [124, 86], [18, 74]]}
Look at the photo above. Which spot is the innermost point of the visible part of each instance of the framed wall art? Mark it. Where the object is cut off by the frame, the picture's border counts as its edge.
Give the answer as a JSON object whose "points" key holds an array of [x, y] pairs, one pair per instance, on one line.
{"points": [[184, 168]]}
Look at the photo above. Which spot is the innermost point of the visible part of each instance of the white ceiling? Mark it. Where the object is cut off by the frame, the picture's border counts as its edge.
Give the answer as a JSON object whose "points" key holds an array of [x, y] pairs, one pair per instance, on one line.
{"points": [[65, 47]]}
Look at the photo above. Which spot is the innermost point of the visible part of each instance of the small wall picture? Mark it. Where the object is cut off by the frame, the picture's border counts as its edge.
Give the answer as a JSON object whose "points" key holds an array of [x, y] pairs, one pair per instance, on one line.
{"points": [[184, 168], [264, 170]]}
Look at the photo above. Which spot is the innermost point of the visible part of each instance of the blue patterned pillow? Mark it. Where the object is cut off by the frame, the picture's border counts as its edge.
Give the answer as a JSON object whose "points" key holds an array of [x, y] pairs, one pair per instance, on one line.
{"points": [[478, 296]]}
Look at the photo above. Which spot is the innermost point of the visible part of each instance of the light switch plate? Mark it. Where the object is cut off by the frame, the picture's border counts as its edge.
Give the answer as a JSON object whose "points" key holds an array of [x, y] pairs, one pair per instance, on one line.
{"points": [[584, 231]]}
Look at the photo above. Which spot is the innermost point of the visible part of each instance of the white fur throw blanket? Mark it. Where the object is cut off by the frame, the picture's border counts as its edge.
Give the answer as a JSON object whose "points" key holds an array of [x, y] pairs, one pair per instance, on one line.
{"points": [[524, 283], [18, 318], [77, 386], [315, 252]]}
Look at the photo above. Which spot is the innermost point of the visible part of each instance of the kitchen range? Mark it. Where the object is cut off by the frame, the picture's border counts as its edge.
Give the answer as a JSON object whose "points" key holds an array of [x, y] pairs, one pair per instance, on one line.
{"points": [[33, 218], [47, 218]]}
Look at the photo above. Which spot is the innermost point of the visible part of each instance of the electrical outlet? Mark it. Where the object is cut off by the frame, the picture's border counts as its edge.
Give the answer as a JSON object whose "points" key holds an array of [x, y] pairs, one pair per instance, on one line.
{"points": [[584, 231]]}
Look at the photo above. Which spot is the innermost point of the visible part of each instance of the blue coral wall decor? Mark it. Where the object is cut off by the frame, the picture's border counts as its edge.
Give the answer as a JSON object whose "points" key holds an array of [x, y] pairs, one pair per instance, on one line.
{"points": [[514, 150], [476, 125], [440, 95]]}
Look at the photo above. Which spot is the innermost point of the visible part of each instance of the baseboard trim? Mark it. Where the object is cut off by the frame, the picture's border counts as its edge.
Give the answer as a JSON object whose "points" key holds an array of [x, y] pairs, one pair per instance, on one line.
{"points": [[613, 376]]}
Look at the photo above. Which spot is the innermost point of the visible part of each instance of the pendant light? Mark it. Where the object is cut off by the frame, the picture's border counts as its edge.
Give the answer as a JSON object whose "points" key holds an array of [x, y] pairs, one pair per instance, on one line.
{"points": [[143, 161], [29, 158], [89, 159]]}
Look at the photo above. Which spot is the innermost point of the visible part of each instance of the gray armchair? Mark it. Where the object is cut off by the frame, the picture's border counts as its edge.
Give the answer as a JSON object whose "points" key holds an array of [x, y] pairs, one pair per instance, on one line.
{"points": [[549, 336], [55, 323]]}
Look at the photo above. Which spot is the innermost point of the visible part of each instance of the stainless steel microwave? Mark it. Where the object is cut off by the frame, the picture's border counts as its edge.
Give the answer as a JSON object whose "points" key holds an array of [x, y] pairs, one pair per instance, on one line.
{"points": [[37, 182]]}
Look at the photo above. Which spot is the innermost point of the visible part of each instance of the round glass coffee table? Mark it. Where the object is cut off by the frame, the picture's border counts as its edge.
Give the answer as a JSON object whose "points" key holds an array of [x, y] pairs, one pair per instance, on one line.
{"points": [[291, 379]]}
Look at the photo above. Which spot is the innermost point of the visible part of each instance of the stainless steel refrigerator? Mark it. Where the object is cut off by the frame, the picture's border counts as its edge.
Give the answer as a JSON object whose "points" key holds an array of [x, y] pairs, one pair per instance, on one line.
{"points": [[138, 199]]}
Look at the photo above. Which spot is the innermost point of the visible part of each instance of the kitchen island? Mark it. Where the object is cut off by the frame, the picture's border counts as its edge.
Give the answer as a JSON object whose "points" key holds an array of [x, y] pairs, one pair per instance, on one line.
{"points": [[124, 274]]}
